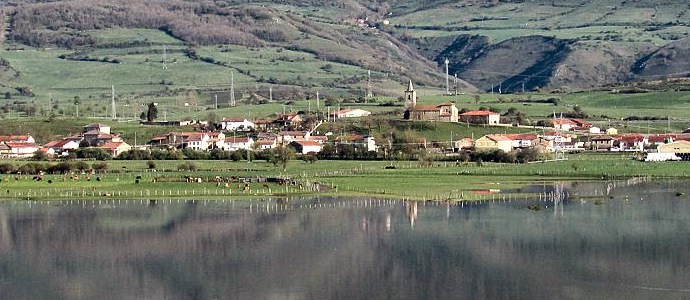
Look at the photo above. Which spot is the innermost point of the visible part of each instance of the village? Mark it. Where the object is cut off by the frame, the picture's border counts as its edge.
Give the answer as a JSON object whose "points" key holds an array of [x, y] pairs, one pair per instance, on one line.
{"points": [[562, 135]]}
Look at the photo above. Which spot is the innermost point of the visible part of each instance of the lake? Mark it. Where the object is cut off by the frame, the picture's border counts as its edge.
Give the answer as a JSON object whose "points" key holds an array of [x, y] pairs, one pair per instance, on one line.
{"points": [[631, 241]]}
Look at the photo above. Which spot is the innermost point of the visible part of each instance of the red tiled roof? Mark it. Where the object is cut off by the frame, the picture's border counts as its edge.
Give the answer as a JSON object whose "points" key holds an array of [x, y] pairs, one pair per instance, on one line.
{"points": [[479, 113], [307, 143], [498, 137], [21, 145], [111, 145], [13, 138], [563, 122]]}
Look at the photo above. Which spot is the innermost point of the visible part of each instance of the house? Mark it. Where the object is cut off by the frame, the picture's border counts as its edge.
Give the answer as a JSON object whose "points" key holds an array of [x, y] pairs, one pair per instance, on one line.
{"points": [[493, 141], [563, 124], [481, 117], [98, 138], [194, 140], [521, 141], [367, 143], [263, 124], [99, 128], [237, 143], [603, 142], [115, 148], [305, 146], [582, 125], [444, 112], [47, 151], [265, 144], [18, 150], [679, 148], [611, 131], [350, 113], [288, 136], [571, 124], [216, 140], [62, 147], [630, 142], [463, 144], [660, 139], [17, 139], [288, 120], [237, 124]]}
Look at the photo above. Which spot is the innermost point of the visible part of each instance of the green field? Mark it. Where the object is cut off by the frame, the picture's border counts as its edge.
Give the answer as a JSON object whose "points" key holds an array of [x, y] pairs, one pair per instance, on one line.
{"points": [[444, 180]]}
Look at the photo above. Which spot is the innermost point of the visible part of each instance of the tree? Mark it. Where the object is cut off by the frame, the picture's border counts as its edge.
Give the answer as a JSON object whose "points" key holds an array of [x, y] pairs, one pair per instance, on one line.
{"points": [[152, 112], [212, 118], [84, 144], [151, 165], [142, 116], [39, 155], [282, 156]]}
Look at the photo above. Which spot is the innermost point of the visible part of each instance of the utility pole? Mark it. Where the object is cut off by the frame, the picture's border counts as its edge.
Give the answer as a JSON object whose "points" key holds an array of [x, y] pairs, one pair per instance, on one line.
{"points": [[317, 101], [447, 86], [216, 96], [369, 91], [232, 89], [112, 102], [165, 58], [270, 94], [455, 82]]}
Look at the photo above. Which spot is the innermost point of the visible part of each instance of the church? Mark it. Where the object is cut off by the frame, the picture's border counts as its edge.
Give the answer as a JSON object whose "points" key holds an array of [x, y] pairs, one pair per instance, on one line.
{"points": [[444, 112]]}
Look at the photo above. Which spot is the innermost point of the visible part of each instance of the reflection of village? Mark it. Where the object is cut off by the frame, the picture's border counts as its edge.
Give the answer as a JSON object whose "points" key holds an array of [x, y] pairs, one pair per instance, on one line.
{"points": [[141, 249]]}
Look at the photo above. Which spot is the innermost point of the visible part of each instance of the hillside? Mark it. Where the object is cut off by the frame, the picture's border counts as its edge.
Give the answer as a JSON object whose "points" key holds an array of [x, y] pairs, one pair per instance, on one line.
{"points": [[184, 54]]}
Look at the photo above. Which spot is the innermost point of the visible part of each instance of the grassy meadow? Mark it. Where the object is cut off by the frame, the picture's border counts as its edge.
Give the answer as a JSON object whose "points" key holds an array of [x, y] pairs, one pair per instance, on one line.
{"points": [[409, 179]]}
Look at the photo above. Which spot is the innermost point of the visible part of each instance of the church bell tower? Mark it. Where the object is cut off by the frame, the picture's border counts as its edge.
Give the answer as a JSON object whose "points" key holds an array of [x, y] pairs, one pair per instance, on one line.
{"points": [[410, 96]]}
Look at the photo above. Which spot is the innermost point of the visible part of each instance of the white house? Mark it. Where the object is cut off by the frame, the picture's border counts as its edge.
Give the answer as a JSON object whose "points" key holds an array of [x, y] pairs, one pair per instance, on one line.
{"points": [[115, 148], [62, 147], [237, 143], [237, 124], [18, 150], [265, 144], [351, 113], [305, 146], [17, 139], [365, 142]]}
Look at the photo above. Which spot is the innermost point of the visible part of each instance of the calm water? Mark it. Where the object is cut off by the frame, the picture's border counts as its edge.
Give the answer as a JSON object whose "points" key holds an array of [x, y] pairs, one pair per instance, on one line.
{"points": [[634, 245]]}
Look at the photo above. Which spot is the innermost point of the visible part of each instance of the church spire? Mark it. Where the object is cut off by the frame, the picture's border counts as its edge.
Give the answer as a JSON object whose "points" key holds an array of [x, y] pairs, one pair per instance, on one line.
{"points": [[410, 88]]}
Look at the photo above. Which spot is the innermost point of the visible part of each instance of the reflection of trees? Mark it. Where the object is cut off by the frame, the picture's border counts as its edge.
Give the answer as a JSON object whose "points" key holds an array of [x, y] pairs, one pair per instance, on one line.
{"points": [[197, 251]]}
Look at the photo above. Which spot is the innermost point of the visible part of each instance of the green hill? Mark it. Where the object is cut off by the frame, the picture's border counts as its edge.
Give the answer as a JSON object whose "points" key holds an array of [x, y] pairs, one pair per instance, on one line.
{"points": [[61, 56]]}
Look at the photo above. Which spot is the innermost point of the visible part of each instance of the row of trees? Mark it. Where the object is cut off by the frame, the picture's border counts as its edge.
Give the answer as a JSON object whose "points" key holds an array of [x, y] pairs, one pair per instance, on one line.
{"points": [[59, 168]]}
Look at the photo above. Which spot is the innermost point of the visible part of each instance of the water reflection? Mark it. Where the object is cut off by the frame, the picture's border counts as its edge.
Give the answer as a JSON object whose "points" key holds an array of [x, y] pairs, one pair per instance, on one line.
{"points": [[634, 243]]}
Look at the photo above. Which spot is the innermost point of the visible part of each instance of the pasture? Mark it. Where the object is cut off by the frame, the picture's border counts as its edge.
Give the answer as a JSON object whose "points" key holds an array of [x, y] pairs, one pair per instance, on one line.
{"points": [[407, 180]]}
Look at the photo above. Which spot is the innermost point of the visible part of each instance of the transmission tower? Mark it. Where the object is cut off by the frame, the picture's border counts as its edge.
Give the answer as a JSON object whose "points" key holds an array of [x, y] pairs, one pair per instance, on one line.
{"points": [[558, 142]]}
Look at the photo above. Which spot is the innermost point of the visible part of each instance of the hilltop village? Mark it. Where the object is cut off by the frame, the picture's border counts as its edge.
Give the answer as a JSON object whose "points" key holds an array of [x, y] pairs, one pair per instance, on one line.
{"points": [[306, 138]]}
